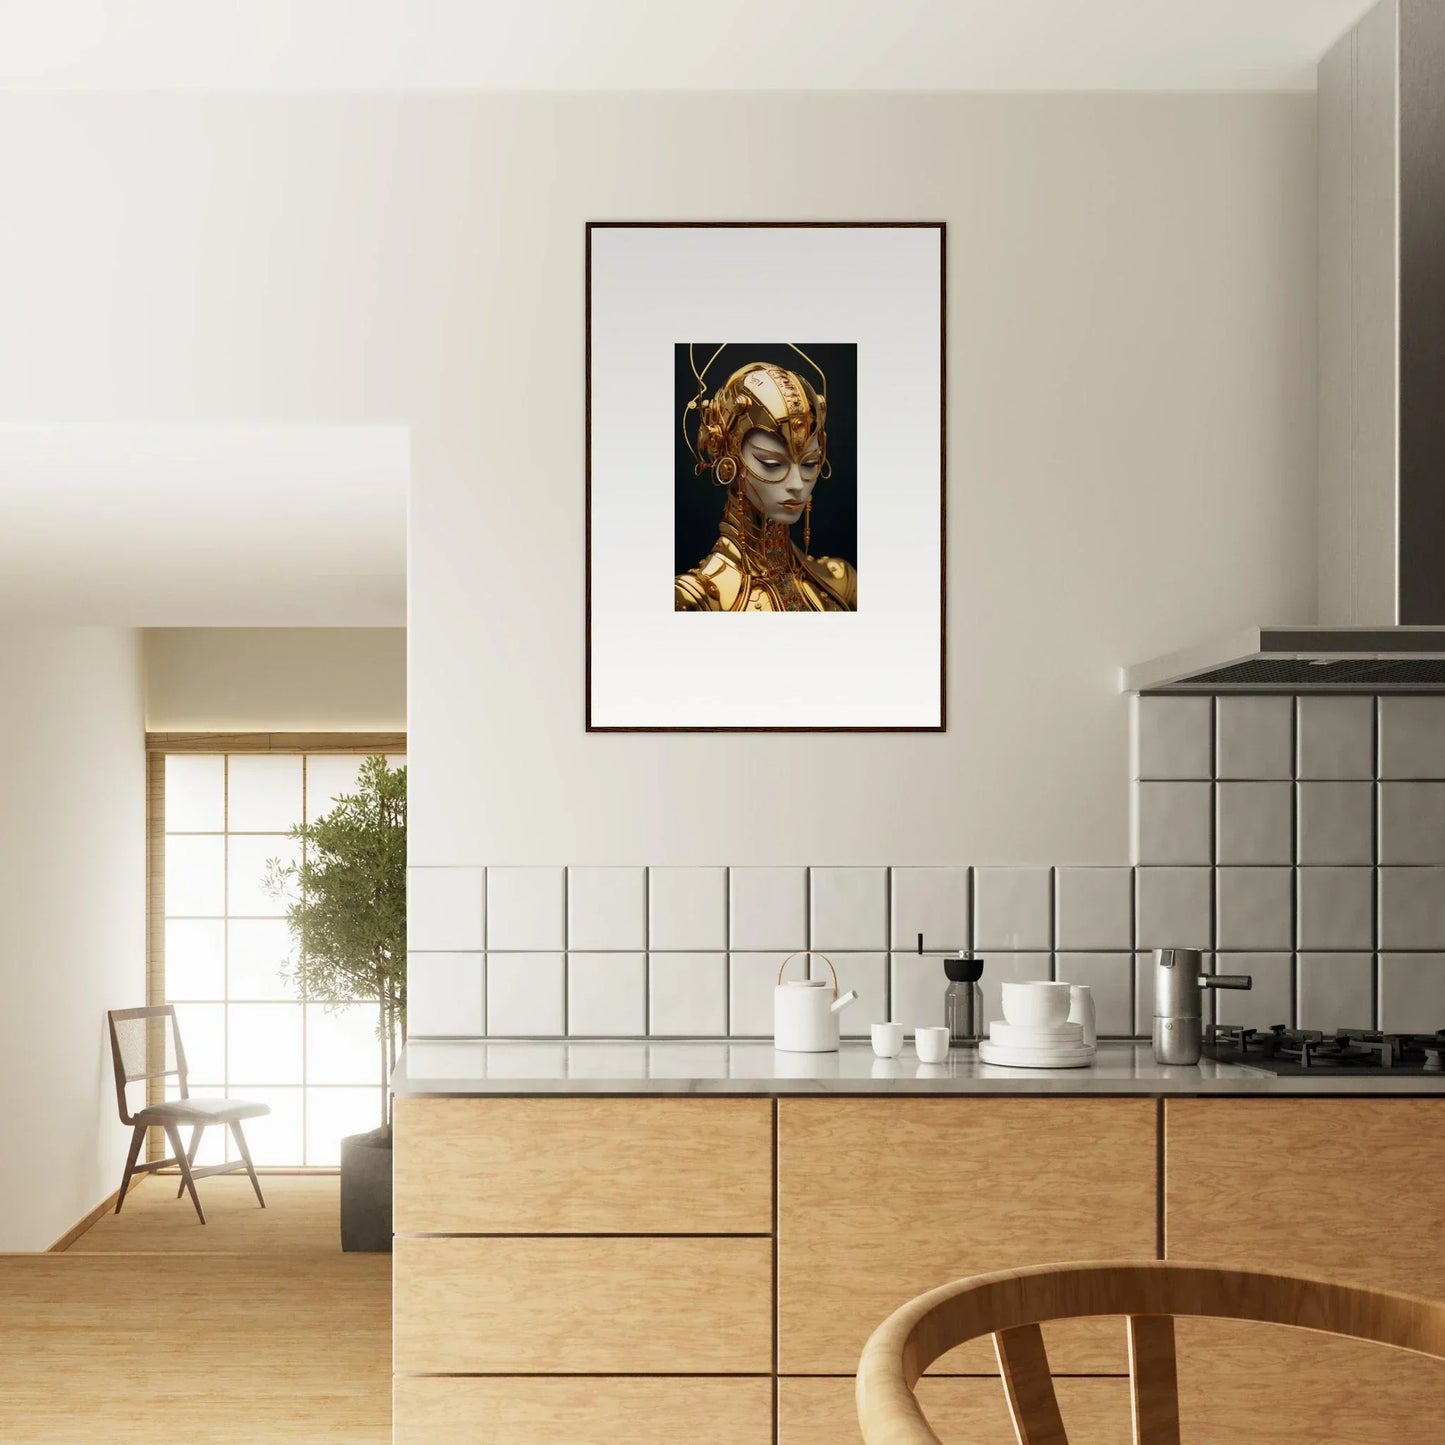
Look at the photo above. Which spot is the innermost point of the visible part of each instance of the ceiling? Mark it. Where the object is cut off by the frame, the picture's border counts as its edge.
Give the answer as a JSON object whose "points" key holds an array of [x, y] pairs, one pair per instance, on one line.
{"points": [[160, 526], [609, 45]]}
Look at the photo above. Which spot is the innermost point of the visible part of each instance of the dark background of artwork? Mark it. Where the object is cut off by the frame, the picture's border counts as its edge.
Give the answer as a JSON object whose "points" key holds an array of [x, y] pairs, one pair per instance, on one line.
{"points": [[698, 504]]}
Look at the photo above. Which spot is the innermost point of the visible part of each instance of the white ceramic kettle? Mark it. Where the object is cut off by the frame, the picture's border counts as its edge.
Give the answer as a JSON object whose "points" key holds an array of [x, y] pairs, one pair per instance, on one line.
{"points": [[805, 1011]]}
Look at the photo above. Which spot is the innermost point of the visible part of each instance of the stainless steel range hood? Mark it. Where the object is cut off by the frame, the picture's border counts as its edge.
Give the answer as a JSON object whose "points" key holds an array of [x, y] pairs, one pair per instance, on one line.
{"points": [[1381, 124], [1302, 659]]}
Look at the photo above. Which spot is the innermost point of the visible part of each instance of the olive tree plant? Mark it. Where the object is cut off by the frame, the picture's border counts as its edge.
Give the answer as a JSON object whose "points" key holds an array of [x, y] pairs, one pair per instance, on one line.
{"points": [[346, 902]]}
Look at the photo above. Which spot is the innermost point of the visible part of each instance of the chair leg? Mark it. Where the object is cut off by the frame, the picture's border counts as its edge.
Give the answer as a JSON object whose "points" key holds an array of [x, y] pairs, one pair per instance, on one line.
{"points": [[191, 1154], [246, 1155], [173, 1133], [136, 1140]]}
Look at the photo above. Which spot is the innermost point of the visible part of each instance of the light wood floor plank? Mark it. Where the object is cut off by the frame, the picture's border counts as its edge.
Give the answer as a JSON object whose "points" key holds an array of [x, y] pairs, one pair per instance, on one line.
{"points": [[279, 1339]]}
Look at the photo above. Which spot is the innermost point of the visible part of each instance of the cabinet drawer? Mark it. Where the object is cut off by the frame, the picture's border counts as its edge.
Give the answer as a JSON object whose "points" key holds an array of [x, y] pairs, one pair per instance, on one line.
{"points": [[1351, 1189], [822, 1411], [583, 1166], [880, 1200], [615, 1411], [582, 1306]]}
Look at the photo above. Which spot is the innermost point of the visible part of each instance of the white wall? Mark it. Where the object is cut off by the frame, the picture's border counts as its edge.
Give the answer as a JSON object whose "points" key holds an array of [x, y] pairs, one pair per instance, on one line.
{"points": [[72, 895], [275, 679], [1131, 410]]}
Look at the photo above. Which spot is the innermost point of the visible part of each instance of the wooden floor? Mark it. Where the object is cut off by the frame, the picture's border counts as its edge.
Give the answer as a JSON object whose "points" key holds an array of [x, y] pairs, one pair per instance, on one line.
{"points": [[252, 1330]]}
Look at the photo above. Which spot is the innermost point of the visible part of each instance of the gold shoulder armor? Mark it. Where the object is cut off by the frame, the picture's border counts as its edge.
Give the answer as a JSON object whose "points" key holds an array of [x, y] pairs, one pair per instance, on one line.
{"points": [[837, 577], [719, 580], [691, 593]]}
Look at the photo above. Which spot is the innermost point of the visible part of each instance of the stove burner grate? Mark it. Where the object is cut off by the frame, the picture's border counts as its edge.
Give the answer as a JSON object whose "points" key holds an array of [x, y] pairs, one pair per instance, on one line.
{"points": [[1340, 1049]]}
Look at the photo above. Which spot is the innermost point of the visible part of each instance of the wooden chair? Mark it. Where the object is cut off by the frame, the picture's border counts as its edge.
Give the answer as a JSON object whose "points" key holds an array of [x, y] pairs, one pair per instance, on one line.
{"points": [[1011, 1305], [145, 1043]]}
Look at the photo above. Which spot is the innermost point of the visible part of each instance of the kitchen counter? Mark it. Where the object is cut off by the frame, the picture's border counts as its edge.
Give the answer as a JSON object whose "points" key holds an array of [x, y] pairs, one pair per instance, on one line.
{"points": [[716, 1066]]}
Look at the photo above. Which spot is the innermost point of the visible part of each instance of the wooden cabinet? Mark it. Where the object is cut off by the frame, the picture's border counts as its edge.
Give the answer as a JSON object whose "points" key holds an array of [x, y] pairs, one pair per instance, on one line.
{"points": [[592, 1411], [611, 1238], [1350, 1189], [972, 1410], [592, 1271], [584, 1166], [881, 1199], [583, 1306]]}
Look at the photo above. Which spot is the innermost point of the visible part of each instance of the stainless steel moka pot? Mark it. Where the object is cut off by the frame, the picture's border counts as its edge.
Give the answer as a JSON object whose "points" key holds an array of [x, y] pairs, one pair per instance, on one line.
{"points": [[1179, 984]]}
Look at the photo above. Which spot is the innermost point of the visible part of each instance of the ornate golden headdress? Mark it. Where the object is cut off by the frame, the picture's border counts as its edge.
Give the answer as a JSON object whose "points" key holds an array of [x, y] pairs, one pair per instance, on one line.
{"points": [[759, 394]]}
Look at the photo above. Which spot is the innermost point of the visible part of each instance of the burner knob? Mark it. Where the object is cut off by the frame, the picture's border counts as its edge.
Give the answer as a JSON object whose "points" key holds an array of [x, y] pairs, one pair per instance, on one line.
{"points": [[1434, 1061]]}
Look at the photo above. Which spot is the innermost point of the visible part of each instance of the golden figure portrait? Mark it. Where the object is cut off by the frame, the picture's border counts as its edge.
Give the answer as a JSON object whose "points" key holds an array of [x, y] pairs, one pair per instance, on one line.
{"points": [[766, 460]]}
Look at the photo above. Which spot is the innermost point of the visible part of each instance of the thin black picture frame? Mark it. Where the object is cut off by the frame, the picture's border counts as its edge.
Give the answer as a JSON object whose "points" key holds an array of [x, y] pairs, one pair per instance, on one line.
{"points": [[942, 228]]}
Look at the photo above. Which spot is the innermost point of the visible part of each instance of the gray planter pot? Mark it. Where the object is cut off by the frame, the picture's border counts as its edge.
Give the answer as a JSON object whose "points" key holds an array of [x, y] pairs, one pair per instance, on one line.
{"points": [[366, 1192]]}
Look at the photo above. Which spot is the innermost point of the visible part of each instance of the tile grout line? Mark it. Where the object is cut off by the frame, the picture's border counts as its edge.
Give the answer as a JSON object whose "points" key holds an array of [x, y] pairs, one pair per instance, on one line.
{"points": [[1376, 875], [1294, 857]]}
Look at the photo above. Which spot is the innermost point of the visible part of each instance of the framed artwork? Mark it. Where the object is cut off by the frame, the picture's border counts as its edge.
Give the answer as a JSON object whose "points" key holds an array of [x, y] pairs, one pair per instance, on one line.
{"points": [[765, 438]]}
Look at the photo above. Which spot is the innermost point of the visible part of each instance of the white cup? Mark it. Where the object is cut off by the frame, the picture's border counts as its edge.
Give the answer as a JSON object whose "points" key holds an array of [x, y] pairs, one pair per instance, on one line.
{"points": [[887, 1040], [1081, 1011], [932, 1044], [1035, 1004]]}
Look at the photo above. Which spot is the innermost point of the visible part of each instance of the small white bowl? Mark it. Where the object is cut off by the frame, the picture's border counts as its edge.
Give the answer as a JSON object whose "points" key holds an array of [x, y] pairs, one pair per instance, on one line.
{"points": [[1036, 1005]]}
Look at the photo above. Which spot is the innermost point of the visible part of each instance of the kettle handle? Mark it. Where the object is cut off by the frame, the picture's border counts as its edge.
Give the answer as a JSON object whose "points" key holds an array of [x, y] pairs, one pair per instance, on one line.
{"points": [[811, 953]]}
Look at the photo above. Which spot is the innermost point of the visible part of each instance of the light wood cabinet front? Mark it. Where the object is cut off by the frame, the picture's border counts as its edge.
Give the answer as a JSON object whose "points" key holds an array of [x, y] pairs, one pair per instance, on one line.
{"points": [[1349, 1189], [583, 1166], [534, 1411], [583, 1306], [881, 1199], [969, 1411]]}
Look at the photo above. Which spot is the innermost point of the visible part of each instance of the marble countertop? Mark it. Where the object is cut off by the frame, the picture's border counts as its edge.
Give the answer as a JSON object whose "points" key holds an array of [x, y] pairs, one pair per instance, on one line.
{"points": [[720, 1066]]}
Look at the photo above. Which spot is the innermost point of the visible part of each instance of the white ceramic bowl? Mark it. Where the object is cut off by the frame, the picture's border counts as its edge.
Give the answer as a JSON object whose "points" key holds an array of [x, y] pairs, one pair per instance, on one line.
{"points": [[1036, 1005]]}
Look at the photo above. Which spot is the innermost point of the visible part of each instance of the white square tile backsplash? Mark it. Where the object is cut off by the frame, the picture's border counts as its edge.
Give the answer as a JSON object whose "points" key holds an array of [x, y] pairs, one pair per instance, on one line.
{"points": [[933, 902], [1093, 908], [687, 908], [607, 995], [768, 908], [1254, 737], [526, 994], [1412, 737], [526, 909], [1304, 838], [1012, 908], [606, 908], [445, 909], [688, 994], [1173, 737], [849, 908], [446, 995], [1172, 823]]}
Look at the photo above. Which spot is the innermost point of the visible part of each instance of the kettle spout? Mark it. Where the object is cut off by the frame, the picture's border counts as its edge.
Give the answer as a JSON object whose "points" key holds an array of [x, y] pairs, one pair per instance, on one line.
{"points": [[841, 1003]]}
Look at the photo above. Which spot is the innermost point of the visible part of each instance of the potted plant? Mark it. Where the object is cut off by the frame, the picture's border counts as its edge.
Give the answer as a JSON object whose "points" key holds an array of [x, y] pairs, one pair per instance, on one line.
{"points": [[346, 907]]}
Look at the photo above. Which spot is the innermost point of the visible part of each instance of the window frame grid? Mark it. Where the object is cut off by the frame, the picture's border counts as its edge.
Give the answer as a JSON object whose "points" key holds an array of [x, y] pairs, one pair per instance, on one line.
{"points": [[160, 746]]}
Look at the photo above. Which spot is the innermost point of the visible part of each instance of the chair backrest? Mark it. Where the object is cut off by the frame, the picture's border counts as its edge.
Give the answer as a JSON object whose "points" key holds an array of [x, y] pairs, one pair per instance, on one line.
{"points": [[1011, 1305], [145, 1043]]}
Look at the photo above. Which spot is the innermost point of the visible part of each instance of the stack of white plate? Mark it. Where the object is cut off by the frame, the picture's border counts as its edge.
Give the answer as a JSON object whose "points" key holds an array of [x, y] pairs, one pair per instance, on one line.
{"points": [[1034, 1033]]}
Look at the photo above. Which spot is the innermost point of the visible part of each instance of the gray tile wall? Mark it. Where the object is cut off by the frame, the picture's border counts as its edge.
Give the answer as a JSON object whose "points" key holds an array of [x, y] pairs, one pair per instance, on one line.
{"points": [[1297, 839], [1303, 839]]}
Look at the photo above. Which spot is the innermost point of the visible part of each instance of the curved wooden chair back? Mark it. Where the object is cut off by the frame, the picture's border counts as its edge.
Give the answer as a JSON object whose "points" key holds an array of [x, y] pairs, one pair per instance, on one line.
{"points": [[1011, 1305]]}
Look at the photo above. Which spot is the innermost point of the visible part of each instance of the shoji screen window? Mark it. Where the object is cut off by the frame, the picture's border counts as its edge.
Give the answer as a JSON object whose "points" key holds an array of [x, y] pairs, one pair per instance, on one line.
{"points": [[229, 961]]}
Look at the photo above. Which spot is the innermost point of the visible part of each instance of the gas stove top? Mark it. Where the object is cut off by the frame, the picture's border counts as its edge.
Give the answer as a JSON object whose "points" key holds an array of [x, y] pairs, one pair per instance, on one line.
{"points": [[1280, 1050]]}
